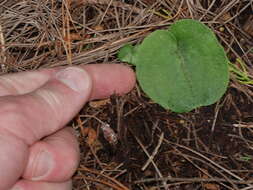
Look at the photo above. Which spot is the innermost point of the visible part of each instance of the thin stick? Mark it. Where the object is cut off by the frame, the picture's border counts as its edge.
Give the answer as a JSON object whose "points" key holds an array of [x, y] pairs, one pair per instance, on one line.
{"points": [[154, 153], [100, 181], [217, 110], [3, 57], [209, 160], [194, 179], [105, 176], [243, 126], [151, 160], [2, 44]]}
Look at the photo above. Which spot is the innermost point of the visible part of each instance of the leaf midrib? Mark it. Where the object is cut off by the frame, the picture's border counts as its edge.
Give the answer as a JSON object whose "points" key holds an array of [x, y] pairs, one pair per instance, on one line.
{"points": [[183, 66]]}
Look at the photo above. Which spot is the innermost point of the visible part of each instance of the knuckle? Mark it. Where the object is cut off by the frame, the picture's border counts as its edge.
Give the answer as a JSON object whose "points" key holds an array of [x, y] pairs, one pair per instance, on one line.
{"points": [[50, 99]]}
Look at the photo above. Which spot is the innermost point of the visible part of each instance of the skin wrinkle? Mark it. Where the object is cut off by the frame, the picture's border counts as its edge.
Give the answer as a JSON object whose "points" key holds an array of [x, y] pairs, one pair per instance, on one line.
{"points": [[50, 102], [47, 97], [15, 83], [6, 86]]}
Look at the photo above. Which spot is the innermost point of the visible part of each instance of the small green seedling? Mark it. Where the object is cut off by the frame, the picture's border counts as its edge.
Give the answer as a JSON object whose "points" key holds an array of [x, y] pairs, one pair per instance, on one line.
{"points": [[182, 68], [240, 72], [246, 158]]}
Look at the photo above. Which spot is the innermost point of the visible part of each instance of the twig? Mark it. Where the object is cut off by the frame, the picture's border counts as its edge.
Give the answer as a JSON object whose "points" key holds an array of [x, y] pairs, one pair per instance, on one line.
{"points": [[100, 181], [217, 109], [198, 166], [113, 3], [154, 153], [249, 126], [227, 8], [105, 176], [66, 29], [107, 8], [2, 45], [194, 179], [209, 160], [151, 160]]}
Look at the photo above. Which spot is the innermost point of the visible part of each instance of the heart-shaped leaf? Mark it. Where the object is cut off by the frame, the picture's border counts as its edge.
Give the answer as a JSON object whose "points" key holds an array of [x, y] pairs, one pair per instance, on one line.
{"points": [[182, 68]]}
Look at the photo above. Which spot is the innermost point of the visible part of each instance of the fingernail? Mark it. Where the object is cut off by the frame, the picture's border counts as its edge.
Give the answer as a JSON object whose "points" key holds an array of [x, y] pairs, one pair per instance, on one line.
{"points": [[43, 165], [75, 78]]}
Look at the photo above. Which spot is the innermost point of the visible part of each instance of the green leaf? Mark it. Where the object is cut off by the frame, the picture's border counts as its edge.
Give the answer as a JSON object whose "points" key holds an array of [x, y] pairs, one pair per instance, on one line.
{"points": [[126, 53], [182, 68]]}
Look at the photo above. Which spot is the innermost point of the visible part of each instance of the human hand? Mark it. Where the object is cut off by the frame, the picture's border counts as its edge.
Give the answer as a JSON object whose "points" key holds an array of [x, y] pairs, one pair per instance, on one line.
{"points": [[36, 151]]}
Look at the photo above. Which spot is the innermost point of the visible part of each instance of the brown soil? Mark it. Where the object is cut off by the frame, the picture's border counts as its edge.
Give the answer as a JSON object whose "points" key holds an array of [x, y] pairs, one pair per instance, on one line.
{"points": [[210, 148]]}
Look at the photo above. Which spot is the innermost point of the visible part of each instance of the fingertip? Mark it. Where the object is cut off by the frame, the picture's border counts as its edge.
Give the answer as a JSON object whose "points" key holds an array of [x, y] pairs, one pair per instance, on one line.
{"points": [[129, 78], [109, 79]]}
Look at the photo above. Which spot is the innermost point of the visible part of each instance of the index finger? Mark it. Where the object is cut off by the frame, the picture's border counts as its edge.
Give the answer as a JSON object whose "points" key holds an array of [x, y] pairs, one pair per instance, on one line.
{"points": [[28, 81]]}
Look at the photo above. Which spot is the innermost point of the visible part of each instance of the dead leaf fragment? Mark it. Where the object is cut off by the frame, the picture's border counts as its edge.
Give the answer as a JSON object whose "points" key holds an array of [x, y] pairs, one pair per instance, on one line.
{"points": [[248, 26], [211, 186], [91, 135], [226, 16], [150, 2], [98, 28], [99, 103]]}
